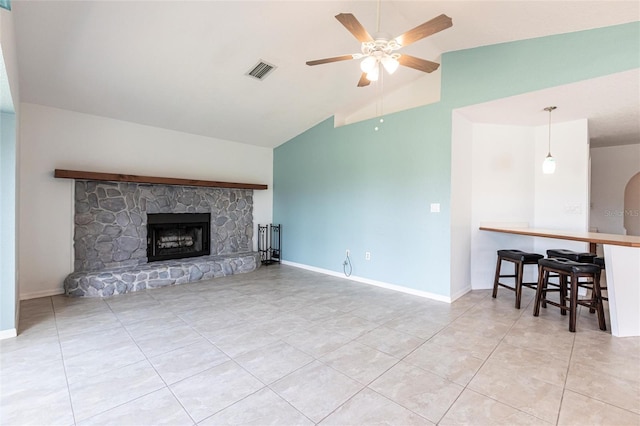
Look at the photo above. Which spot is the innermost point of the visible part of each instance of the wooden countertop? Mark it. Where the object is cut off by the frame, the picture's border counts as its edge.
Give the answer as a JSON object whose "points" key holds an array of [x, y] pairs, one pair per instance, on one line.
{"points": [[588, 237]]}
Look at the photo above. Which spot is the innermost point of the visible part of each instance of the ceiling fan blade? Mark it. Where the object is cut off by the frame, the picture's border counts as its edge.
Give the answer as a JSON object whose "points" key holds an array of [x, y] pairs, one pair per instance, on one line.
{"points": [[417, 63], [433, 26], [329, 60], [363, 80], [354, 26]]}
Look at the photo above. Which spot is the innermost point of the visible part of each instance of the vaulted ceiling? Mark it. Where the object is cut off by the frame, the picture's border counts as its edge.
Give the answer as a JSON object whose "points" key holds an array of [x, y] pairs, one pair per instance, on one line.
{"points": [[181, 65]]}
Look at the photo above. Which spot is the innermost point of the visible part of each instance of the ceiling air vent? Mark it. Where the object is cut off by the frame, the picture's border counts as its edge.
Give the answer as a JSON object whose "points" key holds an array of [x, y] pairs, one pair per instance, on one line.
{"points": [[261, 70]]}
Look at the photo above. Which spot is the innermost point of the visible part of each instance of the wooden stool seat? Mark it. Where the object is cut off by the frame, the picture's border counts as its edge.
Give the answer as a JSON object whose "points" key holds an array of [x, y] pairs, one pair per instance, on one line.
{"points": [[570, 273], [519, 258]]}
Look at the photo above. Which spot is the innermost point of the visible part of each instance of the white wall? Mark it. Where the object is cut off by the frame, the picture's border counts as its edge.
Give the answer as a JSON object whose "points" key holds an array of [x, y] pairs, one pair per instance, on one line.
{"points": [[611, 169], [59, 139], [461, 203], [503, 185], [562, 198], [425, 90], [509, 189]]}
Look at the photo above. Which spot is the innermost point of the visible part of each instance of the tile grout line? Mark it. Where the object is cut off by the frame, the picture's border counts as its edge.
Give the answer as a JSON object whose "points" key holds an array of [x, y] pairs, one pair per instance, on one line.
{"points": [[146, 358], [566, 377], [399, 360], [482, 365], [64, 365], [249, 288], [230, 358], [591, 396]]}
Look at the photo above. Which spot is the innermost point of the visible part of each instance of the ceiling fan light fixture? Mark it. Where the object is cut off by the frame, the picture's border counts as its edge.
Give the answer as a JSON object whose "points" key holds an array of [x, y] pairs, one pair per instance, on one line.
{"points": [[374, 74], [390, 64], [368, 64]]}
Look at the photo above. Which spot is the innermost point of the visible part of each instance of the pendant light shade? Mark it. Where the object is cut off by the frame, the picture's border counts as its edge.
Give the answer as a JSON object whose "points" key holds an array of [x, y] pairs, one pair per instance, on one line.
{"points": [[549, 164]]}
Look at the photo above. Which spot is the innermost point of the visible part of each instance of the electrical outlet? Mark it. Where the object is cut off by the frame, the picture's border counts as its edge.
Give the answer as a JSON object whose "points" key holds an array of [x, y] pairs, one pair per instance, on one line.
{"points": [[367, 255]]}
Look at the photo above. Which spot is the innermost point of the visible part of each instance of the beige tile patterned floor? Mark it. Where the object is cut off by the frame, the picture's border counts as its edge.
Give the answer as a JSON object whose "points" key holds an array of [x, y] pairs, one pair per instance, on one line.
{"points": [[285, 346]]}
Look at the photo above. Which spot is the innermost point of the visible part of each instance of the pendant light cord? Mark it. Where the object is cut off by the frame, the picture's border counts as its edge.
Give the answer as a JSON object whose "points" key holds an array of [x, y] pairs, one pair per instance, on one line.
{"points": [[550, 108], [549, 151], [381, 88]]}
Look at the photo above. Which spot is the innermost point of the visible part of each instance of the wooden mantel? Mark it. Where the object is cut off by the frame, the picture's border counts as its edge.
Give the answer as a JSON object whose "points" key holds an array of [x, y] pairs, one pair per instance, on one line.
{"points": [[117, 177]]}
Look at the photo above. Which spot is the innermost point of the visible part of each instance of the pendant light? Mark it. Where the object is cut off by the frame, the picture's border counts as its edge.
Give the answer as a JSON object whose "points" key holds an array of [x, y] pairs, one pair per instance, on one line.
{"points": [[549, 164]]}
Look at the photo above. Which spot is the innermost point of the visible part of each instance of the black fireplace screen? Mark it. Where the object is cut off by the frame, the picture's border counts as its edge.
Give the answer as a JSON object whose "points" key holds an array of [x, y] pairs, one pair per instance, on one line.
{"points": [[177, 235]]}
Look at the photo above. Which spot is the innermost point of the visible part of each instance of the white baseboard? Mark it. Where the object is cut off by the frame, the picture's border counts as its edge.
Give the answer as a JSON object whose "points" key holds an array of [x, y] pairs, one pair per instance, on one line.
{"points": [[460, 293], [483, 287], [9, 333], [42, 293], [363, 280]]}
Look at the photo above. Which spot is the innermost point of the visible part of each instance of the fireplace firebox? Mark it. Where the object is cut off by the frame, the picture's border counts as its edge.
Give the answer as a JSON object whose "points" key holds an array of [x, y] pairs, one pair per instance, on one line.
{"points": [[178, 235]]}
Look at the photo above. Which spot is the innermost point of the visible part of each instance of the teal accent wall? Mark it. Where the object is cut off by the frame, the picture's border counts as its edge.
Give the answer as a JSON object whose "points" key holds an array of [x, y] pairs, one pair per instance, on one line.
{"points": [[492, 72], [358, 189], [8, 299], [353, 188]]}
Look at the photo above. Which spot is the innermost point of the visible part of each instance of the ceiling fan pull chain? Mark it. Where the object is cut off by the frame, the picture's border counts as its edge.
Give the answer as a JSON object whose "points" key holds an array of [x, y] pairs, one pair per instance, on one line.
{"points": [[379, 103]]}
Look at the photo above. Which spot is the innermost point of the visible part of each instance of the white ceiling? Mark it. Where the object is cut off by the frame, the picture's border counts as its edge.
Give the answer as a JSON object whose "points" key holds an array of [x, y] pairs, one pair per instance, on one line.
{"points": [[6, 102], [610, 123], [181, 64]]}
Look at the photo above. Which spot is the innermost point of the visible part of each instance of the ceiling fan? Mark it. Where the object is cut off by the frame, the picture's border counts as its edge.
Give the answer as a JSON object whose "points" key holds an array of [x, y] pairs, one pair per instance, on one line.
{"points": [[381, 49]]}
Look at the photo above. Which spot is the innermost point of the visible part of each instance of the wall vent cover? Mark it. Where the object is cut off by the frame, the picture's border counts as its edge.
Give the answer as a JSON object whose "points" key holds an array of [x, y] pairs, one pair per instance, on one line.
{"points": [[261, 70]]}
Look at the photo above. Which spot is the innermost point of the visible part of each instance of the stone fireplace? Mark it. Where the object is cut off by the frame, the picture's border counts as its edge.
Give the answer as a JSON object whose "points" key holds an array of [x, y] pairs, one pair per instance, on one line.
{"points": [[111, 219], [125, 235]]}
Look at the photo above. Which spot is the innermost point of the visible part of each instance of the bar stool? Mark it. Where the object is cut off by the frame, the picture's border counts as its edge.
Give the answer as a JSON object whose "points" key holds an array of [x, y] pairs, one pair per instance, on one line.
{"points": [[569, 271], [519, 258], [576, 257], [582, 258]]}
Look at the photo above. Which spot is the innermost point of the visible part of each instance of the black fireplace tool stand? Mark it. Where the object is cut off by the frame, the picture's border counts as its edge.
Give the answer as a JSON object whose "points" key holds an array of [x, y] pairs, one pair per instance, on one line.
{"points": [[269, 241]]}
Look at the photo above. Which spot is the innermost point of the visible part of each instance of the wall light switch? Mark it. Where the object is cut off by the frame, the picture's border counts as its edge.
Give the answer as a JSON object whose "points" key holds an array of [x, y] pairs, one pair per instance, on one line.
{"points": [[435, 207], [573, 208]]}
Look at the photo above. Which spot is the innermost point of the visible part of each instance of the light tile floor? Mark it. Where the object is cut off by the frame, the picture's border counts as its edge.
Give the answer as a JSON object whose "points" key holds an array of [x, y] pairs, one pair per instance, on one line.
{"points": [[285, 346]]}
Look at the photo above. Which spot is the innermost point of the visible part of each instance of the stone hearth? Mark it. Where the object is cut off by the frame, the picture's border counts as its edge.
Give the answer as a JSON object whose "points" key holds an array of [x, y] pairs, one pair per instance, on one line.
{"points": [[158, 274]]}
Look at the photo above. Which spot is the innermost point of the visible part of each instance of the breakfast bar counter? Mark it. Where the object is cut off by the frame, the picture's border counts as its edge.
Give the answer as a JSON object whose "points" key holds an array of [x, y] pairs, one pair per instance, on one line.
{"points": [[622, 260]]}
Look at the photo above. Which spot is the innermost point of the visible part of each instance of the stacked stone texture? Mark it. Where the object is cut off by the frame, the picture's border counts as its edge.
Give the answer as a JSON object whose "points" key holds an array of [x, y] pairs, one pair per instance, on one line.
{"points": [[158, 274], [111, 220], [111, 235]]}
